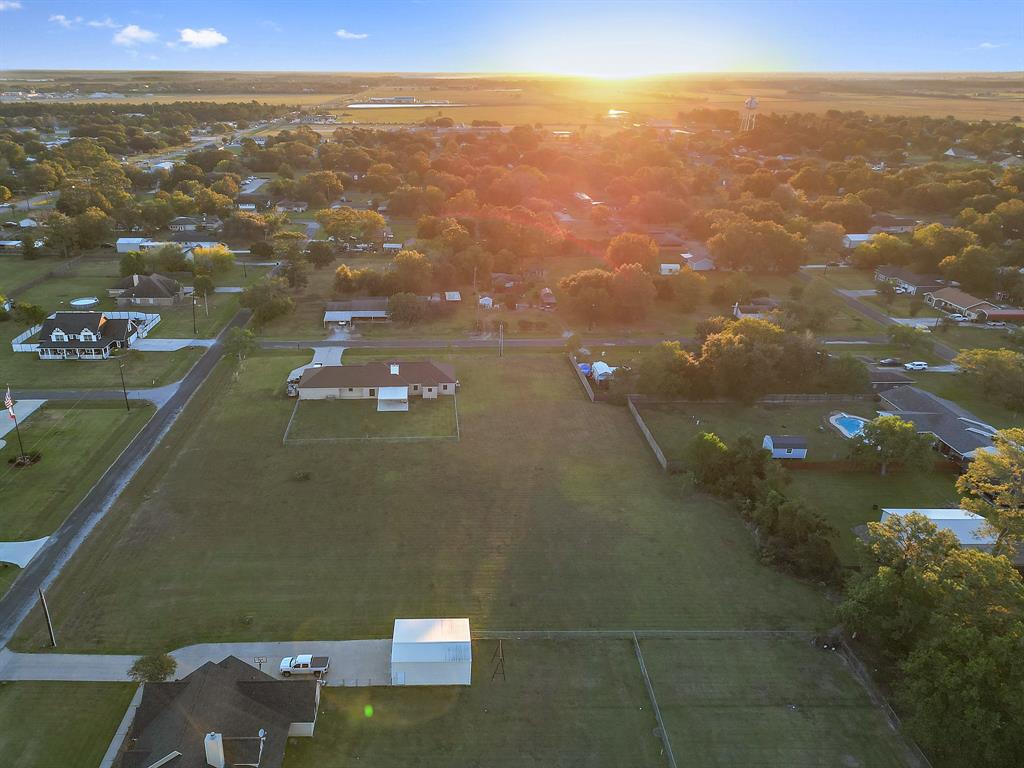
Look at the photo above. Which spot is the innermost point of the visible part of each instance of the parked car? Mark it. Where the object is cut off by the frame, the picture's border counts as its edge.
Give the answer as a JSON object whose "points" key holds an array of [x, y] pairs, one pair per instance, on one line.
{"points": [[958, 318], [305, 664], [916, 365], [995, 324], [890, 362]]}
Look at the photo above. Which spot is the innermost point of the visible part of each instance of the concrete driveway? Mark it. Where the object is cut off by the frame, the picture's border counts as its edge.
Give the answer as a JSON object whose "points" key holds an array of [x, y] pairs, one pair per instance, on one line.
{"points": [[322, 355], [170, 345], [22, 409], [353, 662], [20, 552]]}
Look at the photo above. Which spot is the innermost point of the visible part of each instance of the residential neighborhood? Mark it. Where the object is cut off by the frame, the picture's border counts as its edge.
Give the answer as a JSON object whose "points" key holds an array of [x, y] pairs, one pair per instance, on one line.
{"points": [[371, 402]]}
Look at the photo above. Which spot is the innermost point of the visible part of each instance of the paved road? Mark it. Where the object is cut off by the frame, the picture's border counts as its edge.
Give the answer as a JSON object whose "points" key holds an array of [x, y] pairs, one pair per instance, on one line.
{"points": [[45, 567], [941, 350], [353, 662], [460, 343]]}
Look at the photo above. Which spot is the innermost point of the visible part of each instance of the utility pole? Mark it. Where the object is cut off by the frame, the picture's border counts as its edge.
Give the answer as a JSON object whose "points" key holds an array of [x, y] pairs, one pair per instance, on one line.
{"points": [[501, 339], [124, 389], [195, 331], [49, 621]]}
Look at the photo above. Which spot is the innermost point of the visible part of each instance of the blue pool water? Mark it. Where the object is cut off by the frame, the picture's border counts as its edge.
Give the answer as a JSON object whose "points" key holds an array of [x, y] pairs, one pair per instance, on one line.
{"points": [[850, 426]]}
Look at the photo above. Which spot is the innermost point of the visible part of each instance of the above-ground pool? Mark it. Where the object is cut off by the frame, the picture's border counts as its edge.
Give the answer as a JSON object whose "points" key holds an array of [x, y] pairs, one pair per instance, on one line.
{"points": [[849, 426], [85, 301]]}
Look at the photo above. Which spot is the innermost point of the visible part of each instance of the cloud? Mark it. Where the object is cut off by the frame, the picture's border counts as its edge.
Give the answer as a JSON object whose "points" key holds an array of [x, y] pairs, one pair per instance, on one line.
{"points": [[344, 34], [107, 23], [133, 34], [64, 21], [202, 38], [990, 46], [9, 5]]}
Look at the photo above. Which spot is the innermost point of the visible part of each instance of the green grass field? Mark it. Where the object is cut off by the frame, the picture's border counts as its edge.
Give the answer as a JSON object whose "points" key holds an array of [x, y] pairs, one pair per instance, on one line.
{"points": [[46, 725], [8, 573], [360, 420], [765, 702], [675, 425], [545, 489], [848, 498], [845, 495], [15, 271], [78, 442], [579, 703], [964, 392]]}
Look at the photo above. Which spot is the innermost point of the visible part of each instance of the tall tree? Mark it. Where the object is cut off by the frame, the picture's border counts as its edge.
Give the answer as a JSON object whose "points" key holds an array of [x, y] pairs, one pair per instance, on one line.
{"points": [[888, 440], [993, 487]]}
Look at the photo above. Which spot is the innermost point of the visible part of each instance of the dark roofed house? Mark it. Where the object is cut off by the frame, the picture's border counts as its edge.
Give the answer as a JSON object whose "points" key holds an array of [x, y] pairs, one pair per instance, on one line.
{"points": [[911, 282], [390, 384], [887, 378], [149, 290], [958, 434], [785, 446], [222, 714], [84, 336], [886, 222], [957, 301]]}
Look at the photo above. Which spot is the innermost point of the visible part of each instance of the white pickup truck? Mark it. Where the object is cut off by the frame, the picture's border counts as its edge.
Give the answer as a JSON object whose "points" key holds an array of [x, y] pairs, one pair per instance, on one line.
{"points": [[304, 664]]}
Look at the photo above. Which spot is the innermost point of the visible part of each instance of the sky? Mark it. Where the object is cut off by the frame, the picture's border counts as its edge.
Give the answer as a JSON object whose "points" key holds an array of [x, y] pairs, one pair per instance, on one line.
{"points": [[612, 39]]}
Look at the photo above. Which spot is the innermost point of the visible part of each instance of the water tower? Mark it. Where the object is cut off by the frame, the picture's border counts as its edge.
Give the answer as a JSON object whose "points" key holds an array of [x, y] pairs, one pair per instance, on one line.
{"points": [[748, 117]]}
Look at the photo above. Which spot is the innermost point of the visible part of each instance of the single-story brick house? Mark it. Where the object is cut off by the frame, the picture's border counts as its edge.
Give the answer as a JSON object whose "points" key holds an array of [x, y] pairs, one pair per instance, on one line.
{"points": [[390, 384], [84, 336], [958, 433], [148, 290], [955, 301]]}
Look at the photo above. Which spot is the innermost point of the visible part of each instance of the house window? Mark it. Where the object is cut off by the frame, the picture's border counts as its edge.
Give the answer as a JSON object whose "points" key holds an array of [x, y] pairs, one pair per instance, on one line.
{"points": [[373, 393]]}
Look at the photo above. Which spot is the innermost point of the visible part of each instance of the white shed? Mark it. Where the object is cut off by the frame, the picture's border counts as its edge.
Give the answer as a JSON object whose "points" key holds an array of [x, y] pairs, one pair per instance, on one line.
{"points": [[431, 652], [785, 446]]}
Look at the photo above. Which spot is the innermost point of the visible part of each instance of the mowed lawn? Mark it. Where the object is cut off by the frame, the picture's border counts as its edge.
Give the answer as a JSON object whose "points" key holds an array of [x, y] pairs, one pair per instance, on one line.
{"points": [[549, 513], [51, 725], [78, 441], [852, 498], [844, 494], [561, 703], [675, 425], [360, 420], [767, 702]]}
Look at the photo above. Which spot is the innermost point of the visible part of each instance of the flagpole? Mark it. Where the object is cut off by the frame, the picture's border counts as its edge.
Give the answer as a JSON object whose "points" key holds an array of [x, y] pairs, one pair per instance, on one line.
{"points": [[17, 429]]}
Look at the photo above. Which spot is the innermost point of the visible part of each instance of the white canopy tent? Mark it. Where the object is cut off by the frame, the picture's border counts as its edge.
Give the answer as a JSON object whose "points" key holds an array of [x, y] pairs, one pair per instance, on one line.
{"points": [[431, 652]]}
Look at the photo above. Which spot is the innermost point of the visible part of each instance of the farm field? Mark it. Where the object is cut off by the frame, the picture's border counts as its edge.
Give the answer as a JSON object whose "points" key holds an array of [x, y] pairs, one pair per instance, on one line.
{"points": [[360, 420], [561, 703], [543, 488], [78, 441], [729, 701], [79, 720]]}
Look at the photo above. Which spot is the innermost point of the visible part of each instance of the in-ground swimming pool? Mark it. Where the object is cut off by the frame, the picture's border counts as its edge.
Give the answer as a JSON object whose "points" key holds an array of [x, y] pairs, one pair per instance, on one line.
{"points": [[849, 426]]}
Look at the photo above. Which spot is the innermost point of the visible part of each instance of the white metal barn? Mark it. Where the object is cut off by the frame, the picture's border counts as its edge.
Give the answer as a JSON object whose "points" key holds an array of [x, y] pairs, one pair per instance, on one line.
{"points": [[431, 652]]}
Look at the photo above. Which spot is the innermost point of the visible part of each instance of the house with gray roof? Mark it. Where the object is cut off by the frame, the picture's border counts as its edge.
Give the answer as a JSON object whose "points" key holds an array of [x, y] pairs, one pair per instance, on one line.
{"points": [[222, 714], [147, 290], [84, 336], [958, 434]]}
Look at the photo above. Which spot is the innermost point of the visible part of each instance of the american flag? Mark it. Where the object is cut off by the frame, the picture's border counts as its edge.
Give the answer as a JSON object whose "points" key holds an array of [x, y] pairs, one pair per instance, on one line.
{"points": [[9, 402]]}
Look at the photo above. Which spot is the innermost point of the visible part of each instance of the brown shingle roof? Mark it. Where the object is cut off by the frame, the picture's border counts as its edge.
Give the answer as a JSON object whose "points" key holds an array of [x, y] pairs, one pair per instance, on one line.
{"points": [[959, 298], [424, 373]]}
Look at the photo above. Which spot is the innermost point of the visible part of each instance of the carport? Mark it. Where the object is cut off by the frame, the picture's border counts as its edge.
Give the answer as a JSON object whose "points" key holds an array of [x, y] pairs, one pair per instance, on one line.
{"points": [[393, 399]]}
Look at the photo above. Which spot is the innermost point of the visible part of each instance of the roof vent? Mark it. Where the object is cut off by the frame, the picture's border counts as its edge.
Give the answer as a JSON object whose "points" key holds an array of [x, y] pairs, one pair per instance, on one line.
{"points": [[214, 744], [394, 369]]}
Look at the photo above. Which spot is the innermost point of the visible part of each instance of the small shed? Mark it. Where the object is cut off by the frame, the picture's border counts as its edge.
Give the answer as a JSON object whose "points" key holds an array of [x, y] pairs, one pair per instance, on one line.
{"points": [[431, 652], [452, 296], [486, 302], [393, 398], [785, 446]]}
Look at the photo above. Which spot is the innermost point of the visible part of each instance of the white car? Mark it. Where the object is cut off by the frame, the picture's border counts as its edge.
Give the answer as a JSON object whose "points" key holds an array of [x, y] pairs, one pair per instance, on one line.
{"points": [[958, 318], [916, 365], [304, 664]]}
